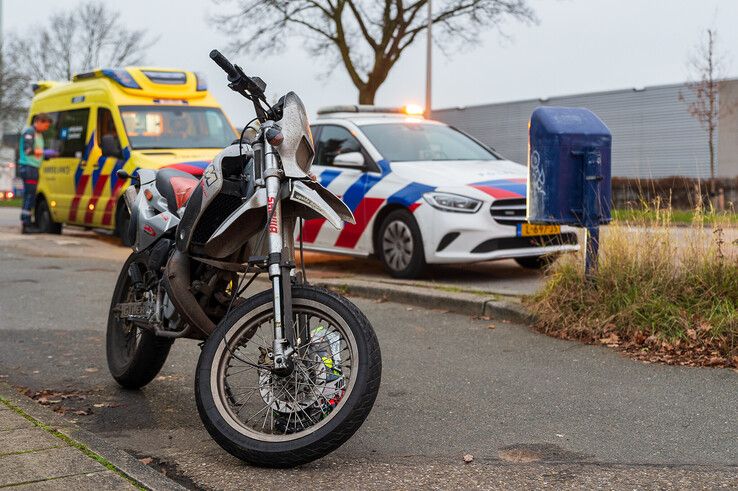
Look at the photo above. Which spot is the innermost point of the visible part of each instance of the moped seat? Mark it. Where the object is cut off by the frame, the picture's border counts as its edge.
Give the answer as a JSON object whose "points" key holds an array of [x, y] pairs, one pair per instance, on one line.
{"points": [[176, 186]]}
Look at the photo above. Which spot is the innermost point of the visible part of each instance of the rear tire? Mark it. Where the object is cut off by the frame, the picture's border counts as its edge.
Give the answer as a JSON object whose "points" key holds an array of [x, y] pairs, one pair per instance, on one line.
{"points": [[135, 356], [44, 221], [536, 262], [400, 245], [310, 443]]}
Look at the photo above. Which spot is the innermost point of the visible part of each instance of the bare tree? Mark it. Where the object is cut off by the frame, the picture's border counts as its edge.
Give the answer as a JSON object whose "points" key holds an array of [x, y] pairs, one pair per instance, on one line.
{"points": [[366, 36], [14, 93], [77, 40], [706, 65]]}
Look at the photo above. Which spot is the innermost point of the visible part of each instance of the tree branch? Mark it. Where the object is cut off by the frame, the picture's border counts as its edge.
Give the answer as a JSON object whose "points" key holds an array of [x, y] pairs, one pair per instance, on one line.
{"points": [[367, 36]]}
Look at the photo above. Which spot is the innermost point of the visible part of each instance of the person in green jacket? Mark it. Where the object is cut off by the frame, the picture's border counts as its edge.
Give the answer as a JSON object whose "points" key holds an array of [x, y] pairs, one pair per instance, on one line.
{"points": [[31, 153]]}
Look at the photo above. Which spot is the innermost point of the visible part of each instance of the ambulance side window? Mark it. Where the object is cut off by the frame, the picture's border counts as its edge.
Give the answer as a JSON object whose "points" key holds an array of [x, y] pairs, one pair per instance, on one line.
{"points": [[106, 126], [333, 140], [50, 135], [72, 132]]}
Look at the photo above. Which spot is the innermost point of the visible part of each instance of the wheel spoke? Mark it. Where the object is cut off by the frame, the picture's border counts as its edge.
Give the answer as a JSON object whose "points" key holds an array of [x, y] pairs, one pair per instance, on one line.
{"points": [[280, 407]]}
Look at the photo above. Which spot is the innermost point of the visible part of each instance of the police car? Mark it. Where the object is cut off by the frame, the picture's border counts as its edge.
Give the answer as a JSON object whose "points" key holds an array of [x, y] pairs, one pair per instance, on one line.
{"points": [[423, 193]]}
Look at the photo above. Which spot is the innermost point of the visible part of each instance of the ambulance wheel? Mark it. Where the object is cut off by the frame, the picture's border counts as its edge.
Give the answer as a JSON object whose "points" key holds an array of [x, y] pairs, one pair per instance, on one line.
{"points": [[122, 222], [536, 262], [44, 221], [400, 245]]}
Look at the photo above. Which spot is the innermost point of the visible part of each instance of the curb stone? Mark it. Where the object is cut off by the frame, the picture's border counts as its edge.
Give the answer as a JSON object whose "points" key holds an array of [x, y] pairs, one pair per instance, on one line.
{"points": [[124, 463], [461, 302]]}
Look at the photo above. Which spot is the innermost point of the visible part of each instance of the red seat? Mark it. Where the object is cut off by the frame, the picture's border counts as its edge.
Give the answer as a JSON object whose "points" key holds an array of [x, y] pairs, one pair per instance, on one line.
{"points": [[183, 187], [176, 187]]}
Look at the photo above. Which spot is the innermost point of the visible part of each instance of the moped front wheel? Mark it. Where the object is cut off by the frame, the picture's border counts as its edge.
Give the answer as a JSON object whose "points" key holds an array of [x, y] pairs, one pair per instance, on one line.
{"points": [[288, 418]]}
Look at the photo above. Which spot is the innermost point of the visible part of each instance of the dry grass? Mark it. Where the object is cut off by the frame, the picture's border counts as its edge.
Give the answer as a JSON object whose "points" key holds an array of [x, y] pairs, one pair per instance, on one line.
{"points": [[662, 293]]}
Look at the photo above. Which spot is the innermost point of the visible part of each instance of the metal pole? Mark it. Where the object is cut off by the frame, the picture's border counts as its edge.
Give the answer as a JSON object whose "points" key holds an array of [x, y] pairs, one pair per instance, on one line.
{"points": [[428, 61], [592, 251], [2, 47], [592, 211]]}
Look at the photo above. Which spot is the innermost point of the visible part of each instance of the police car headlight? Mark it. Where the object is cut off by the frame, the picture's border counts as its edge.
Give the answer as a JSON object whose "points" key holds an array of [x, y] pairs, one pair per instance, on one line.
{"points": [[452, 202]]}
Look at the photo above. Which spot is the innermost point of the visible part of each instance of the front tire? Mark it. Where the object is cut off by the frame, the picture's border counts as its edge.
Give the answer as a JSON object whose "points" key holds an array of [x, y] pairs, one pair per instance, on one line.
{"points": [[44, 221], [300, 420], [135, 355], [400, 245]]}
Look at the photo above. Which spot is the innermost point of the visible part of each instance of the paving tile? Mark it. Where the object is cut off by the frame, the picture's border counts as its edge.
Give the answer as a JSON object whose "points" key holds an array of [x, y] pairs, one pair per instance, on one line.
{"points": [[10, 420], [25, 439], [107, 480], [45, 464]]}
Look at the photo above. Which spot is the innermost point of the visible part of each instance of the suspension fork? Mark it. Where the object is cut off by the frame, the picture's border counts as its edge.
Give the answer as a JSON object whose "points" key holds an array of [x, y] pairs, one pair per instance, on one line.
{"points": [[278, 262]]}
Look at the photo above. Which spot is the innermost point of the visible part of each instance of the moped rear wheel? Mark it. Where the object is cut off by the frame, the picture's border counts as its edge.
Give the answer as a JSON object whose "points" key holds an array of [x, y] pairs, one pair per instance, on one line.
{"points": [[135, 355], [283, 420]]}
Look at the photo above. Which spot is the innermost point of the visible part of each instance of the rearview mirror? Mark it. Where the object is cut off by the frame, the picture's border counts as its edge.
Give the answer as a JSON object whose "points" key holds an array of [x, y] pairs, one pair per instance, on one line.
{"points": [[349, 159], [110, 146]]}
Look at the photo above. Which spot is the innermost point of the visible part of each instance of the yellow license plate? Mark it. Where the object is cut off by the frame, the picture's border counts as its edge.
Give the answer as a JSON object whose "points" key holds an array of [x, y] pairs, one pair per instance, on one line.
{"points": [[529, 229]]}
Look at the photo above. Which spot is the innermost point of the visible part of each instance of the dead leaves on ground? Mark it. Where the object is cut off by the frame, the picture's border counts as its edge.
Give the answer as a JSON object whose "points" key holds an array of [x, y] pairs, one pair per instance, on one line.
{"points": [[698, 348], [66, 401]]}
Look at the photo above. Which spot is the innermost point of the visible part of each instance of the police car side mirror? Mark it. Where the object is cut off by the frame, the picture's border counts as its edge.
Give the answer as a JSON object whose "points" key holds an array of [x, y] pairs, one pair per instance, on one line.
{"points": [[110, 146], [349, 159]]}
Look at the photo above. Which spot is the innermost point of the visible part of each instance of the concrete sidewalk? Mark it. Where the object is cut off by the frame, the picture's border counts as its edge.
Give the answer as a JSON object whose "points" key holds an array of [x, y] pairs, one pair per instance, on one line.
{"points": [[41, 450]]}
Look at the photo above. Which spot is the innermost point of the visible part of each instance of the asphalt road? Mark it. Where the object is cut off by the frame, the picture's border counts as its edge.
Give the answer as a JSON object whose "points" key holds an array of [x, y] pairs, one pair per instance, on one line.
{"points": [[533, 411], [498, 277]]}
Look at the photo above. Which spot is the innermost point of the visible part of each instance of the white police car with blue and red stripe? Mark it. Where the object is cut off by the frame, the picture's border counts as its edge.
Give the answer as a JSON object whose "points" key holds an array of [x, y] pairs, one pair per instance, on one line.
{"points": [[422, 193]]}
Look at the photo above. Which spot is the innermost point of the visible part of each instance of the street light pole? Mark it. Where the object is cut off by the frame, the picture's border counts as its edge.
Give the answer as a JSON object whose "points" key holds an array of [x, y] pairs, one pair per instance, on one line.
{"points": [[428, 61]]}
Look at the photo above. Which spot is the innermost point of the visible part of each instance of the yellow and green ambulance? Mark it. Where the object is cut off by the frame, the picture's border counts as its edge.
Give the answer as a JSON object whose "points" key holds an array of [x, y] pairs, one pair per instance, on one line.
{"points": [[110, 119]]}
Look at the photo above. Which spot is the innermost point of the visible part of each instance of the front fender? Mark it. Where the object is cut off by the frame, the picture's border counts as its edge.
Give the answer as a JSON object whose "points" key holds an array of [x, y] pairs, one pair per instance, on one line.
{"points": [[315, 197], [309, 200]]}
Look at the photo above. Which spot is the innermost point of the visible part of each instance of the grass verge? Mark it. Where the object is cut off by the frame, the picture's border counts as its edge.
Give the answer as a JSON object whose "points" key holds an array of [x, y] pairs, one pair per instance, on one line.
{"points": [[11, 203], [661, 293], [676, 217]]}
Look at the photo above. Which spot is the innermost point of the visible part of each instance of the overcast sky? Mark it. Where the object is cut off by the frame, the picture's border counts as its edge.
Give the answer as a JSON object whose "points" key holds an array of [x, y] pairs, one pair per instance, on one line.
{"points": [[578, 46]]}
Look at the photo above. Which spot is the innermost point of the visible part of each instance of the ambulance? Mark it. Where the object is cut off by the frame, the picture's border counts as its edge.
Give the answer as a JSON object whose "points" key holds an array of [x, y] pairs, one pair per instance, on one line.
{"points": [[109, 119]]}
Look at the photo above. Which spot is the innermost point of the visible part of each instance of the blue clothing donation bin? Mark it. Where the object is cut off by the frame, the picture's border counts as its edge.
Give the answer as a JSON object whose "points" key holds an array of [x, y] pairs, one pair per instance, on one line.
{"points": [[569, 171]]}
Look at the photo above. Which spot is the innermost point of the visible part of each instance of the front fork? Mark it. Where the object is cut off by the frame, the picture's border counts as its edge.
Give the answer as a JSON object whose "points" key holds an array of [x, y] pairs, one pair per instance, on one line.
{"points": [[280, 263]]}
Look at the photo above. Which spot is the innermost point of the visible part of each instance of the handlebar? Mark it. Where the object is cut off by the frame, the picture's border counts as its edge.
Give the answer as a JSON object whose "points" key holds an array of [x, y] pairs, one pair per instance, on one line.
{"points": [[226, 65], [251, 88]]}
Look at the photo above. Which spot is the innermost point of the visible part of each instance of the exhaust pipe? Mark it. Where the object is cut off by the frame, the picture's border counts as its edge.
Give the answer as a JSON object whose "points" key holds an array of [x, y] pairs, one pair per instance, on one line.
{"points": [[177, 283]]}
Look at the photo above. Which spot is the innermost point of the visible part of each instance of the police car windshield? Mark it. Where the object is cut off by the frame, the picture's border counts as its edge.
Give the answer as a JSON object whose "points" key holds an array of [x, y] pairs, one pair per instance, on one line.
{"points": [[151, 127], [417, 141]]}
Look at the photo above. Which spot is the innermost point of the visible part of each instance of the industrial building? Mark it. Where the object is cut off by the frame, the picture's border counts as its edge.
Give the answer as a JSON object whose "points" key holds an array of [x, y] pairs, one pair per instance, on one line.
{"points": [[653, 134]]}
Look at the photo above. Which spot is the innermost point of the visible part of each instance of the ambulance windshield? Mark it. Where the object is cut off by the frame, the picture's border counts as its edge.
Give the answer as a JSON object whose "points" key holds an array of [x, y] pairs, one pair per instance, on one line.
{"points": [[166, 127]]}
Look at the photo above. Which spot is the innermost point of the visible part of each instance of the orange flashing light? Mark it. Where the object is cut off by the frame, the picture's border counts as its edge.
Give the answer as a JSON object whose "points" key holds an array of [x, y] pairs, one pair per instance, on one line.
{"points": [[413, 109]]}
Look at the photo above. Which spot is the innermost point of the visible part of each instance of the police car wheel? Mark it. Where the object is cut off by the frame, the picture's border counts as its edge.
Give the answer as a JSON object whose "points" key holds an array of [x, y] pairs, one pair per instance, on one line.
{"points": [[400, 245], [536, 262], [44, 221], [122, 222]]}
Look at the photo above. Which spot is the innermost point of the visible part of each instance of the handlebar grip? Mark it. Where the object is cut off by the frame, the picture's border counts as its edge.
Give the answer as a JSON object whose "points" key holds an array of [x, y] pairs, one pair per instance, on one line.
{"points": [[223, 63]]}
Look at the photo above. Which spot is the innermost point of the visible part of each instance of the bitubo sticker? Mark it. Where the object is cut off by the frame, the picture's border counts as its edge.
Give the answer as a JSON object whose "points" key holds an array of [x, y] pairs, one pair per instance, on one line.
{"points": [[273, 222]]}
